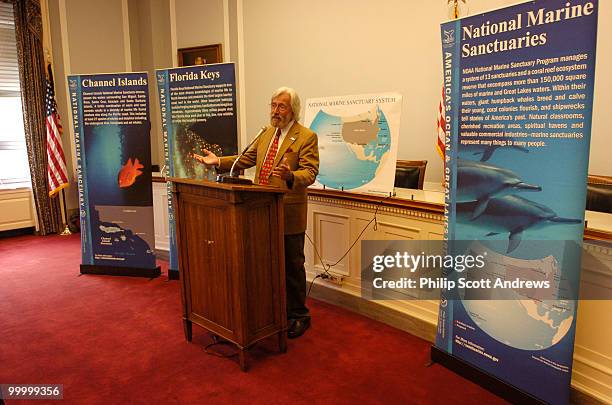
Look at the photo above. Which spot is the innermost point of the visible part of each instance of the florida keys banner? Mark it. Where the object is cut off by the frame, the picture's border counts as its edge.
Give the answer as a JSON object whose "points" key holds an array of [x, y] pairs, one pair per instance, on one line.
{"points": [[518, 86], [112, 131], [198, 111]]}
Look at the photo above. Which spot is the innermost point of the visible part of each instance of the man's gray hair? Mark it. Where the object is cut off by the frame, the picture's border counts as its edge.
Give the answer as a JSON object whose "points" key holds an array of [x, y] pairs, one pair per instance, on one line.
{"points": [[295, 100]]}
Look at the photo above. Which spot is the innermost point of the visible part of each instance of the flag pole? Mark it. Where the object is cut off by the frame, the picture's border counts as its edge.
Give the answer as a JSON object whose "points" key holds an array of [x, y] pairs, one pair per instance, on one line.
{"points": [[455, 13], [66, 230]]}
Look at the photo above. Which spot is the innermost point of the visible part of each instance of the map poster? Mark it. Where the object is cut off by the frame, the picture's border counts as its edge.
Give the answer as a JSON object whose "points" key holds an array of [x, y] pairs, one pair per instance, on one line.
{"points": [[198, 111], [110, 114], [358, 141], [518, 86]]}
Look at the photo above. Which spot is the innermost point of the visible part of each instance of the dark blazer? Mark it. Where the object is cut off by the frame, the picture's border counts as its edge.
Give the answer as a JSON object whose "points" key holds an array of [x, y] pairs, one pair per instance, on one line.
{"points": [[301, 149]]}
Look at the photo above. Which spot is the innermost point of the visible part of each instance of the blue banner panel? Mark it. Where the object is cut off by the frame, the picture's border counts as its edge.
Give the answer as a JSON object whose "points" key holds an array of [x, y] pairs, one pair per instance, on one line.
{"points": [[198, 111], [518, 85], [112, 132]]}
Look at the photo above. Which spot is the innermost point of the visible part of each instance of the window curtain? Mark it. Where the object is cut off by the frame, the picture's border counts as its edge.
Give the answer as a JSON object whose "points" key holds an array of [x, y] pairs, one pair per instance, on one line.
{"points": [[28, 31]]}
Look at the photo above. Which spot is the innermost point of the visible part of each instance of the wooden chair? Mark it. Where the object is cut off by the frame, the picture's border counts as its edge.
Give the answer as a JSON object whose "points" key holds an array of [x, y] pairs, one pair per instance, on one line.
{"points": [[599, 193], [410, 174]]}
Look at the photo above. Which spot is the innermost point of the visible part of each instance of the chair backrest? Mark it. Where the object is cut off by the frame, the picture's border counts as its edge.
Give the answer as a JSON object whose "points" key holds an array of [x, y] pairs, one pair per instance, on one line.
{"points": [[410, 173], [599, 193]]}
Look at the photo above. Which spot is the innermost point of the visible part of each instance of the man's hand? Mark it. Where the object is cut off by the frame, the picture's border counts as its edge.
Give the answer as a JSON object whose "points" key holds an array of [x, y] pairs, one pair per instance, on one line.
{"points": [[283, 171], [209, 158]]}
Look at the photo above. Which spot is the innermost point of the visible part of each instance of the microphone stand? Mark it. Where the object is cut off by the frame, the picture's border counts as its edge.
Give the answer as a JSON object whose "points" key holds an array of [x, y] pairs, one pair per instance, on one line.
{"points": [[231, 179]]}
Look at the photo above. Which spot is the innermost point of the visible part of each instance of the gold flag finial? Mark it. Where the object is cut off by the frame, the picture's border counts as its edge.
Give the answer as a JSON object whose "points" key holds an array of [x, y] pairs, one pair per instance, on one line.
{"points": [[457, 8]]}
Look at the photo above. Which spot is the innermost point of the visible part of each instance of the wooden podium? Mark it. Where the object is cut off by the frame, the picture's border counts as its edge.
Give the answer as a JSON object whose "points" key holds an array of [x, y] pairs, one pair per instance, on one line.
{"points": [[231, 261]]}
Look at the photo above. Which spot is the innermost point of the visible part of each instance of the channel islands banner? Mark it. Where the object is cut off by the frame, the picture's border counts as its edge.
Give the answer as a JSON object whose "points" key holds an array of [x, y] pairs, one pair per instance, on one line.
{"points": [[198, 111], [519, 92], [110, 114]]}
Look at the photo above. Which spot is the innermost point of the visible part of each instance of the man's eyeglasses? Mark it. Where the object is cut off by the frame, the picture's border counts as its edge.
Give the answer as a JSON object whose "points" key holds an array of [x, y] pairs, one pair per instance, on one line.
{"points": [[280, 107]]}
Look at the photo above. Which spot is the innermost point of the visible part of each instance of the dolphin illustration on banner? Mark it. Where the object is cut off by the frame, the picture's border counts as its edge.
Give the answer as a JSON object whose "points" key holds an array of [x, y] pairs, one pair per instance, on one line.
{"points": [[477, 181], [511, 214]]}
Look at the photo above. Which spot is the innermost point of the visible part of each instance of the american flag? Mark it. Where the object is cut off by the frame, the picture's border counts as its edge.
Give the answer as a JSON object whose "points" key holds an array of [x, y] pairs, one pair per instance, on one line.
{"points": [[441, 123], [56, 170]]}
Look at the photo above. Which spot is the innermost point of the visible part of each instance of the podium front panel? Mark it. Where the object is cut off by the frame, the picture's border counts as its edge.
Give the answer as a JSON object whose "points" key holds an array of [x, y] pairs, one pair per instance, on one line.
{"points": [[206, 265], [231, 260]]}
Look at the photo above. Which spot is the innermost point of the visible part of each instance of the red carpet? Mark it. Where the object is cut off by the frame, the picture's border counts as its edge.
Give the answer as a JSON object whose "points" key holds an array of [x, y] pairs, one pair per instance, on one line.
{"points": [[120, 340]]}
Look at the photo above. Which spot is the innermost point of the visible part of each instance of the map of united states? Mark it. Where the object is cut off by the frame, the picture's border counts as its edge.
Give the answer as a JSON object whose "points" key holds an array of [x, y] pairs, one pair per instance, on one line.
{"points": [[351, 147]]}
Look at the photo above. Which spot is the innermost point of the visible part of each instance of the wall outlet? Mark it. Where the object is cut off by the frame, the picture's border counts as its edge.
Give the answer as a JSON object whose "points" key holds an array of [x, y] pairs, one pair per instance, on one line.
{"points": [[334, 278]]}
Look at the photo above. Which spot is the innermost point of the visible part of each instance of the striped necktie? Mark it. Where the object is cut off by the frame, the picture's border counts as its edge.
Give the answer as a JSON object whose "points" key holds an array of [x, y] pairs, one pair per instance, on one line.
{"points": [[266, 169]]}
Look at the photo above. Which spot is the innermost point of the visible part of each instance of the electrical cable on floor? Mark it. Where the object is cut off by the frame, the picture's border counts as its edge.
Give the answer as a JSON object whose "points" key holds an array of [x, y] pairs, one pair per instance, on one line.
{"points": [[219, 341], [327, 267]]}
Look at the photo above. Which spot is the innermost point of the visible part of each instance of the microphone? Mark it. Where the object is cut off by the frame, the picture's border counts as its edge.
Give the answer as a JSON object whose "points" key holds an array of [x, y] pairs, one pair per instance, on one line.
{"points": [[237, 180]]}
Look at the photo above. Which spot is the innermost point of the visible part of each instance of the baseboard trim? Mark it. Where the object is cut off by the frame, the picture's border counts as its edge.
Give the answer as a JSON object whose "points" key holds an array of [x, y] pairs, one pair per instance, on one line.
{"points": [[18, 232], [584, 395], [372, 309], [162, 254]]}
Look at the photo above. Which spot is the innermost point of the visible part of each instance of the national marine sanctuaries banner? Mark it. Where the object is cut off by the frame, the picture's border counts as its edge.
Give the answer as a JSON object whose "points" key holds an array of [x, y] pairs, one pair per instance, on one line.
{"points": [[112, 131], [518, 93]]}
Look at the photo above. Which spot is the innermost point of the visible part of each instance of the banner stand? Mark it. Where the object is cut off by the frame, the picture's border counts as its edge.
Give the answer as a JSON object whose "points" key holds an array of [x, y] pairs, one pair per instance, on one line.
{"points": [[120, 271], [198, 112], [487, 381], [511, 78], [110, 116]]}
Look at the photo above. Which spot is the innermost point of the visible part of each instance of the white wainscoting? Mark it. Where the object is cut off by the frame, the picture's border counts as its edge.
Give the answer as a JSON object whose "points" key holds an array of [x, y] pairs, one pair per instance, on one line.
{"points": [[16, 209], [331, 236], [335, 223], [592, 372], [160, 214]]}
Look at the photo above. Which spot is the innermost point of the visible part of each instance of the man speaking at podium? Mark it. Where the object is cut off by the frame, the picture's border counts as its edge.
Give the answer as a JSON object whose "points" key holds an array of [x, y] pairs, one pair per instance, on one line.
{"points": [[285, 155]]}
